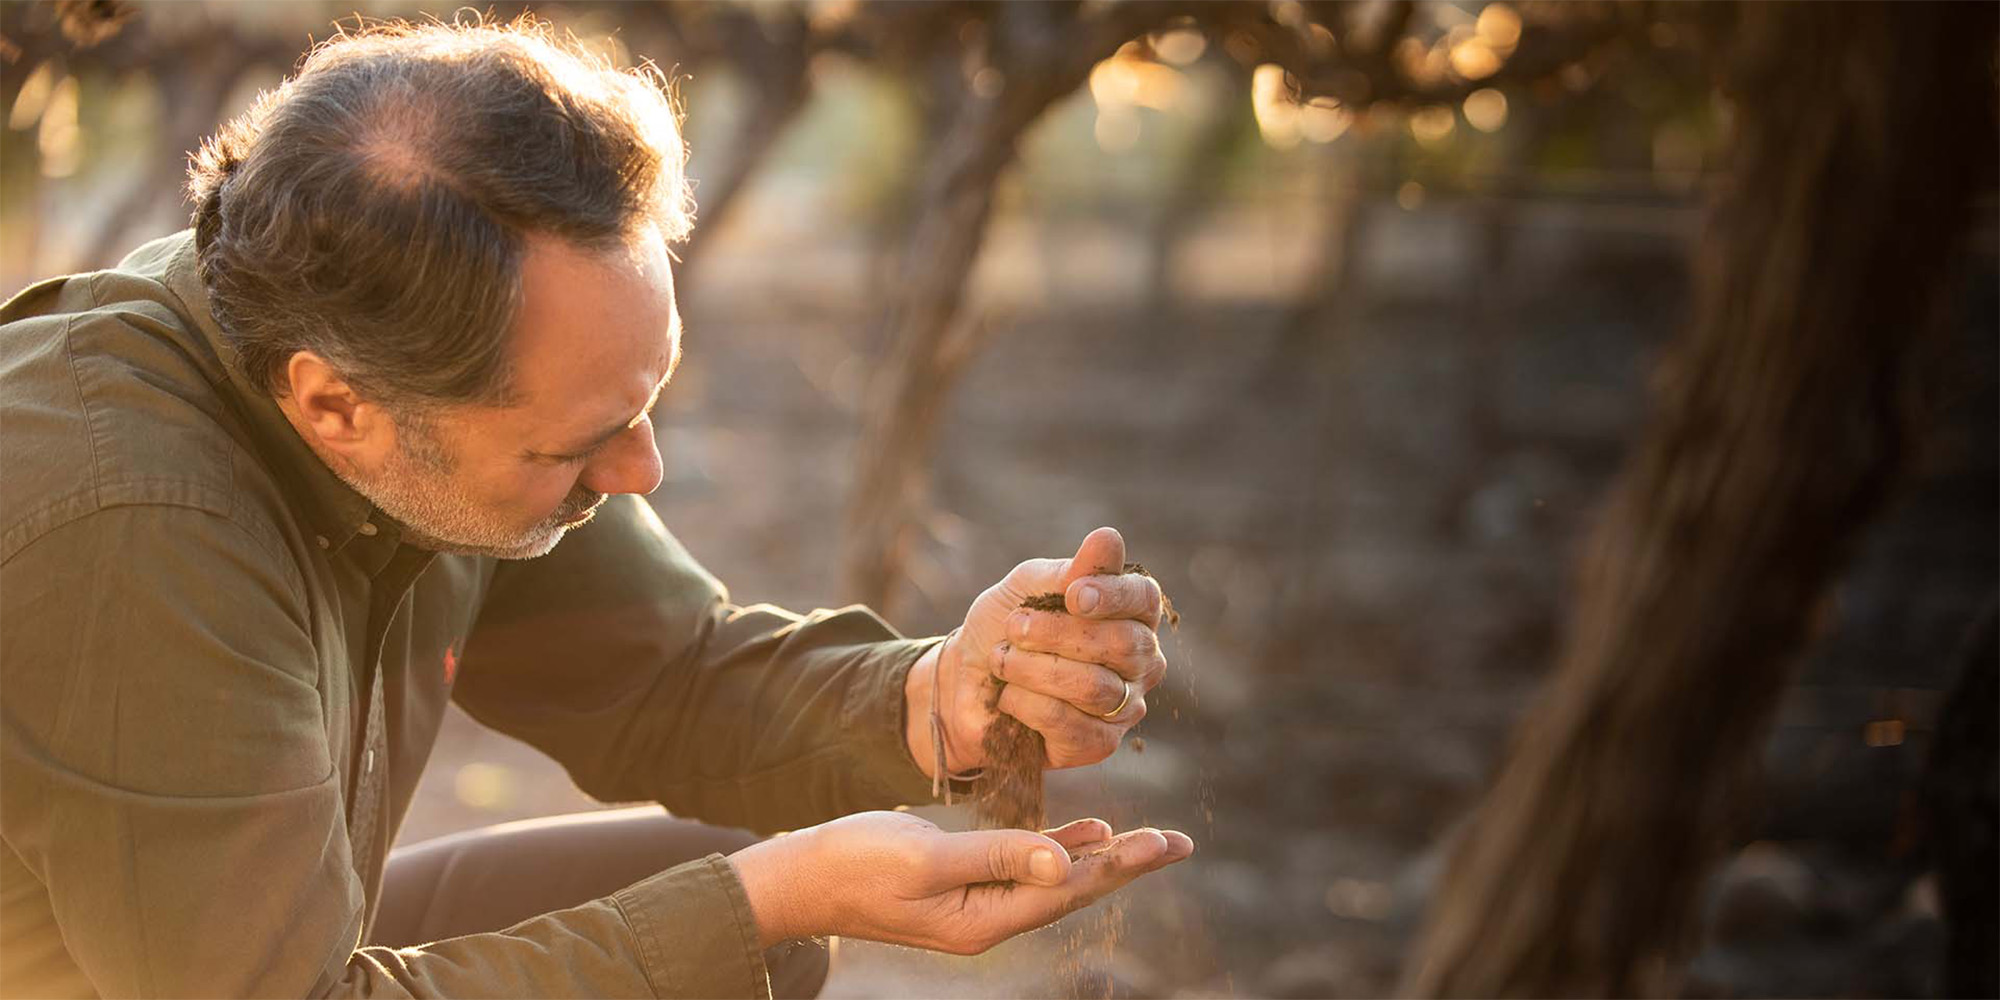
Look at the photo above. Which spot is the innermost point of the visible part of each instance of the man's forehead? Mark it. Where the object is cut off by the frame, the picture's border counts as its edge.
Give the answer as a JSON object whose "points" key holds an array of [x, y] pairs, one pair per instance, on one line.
{"points": [[593, 320]]}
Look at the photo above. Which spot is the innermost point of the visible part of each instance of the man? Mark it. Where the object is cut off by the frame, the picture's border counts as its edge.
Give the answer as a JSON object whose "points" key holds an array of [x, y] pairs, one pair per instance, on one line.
{"points": [[278, 487]]}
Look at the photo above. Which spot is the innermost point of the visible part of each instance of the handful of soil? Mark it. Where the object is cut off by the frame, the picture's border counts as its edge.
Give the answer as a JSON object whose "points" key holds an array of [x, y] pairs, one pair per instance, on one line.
{"points": [[1011, 798]]}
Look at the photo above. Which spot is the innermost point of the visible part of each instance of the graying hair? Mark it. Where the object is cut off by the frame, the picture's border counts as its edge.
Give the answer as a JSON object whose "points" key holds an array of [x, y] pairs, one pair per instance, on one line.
{"points": [[374, 208]]}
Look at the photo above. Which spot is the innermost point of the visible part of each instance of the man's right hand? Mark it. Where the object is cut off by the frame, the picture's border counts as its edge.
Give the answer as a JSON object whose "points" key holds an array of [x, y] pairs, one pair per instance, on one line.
{"points": [[897, 878]]}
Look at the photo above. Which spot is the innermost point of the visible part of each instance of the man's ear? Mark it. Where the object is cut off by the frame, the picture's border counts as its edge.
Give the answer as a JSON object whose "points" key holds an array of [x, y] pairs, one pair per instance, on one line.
{"points": [[334, 416]]}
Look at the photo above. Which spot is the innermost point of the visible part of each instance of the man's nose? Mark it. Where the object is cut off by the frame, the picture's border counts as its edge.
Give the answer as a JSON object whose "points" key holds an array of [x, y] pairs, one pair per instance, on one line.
{"points": [[629, 464]]}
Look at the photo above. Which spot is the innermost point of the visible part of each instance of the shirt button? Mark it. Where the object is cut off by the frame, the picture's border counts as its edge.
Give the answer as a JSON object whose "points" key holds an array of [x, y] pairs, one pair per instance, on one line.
{"points": [[367, 528], [323, 543]]}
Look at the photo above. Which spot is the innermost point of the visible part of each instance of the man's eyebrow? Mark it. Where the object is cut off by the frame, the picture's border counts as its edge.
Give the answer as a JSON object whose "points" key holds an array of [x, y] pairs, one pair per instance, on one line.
{"points": [[673, 365]]}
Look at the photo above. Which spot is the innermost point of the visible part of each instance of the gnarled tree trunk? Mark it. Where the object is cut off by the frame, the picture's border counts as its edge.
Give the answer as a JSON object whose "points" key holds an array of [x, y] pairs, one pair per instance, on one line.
{"points": [[1782, 424]]}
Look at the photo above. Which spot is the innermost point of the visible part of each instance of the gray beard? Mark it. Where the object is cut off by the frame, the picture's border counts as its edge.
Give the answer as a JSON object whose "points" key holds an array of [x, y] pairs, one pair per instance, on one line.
{"points": [[436, 520]]}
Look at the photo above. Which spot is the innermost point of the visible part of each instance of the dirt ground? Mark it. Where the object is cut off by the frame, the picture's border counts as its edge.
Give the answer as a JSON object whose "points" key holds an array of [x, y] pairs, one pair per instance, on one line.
{"points": [[1368, 537]]}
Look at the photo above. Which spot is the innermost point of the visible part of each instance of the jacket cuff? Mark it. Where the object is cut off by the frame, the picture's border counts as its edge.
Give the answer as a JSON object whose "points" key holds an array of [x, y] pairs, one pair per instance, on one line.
{"points": [[877, 717], [697, 935]]}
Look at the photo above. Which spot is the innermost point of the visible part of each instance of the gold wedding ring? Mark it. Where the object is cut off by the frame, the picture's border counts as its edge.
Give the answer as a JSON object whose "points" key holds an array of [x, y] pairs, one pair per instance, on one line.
{"points": [[1121, 702]]}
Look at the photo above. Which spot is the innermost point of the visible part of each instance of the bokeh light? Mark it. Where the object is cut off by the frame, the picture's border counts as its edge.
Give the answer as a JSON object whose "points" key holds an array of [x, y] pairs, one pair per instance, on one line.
{"points": [[1486, 109]]}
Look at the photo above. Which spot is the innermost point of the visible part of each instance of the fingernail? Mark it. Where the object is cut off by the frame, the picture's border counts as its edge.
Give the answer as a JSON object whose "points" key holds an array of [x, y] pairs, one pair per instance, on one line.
{"points": [[1086, 599], [1018, 626], [1042, 865]]}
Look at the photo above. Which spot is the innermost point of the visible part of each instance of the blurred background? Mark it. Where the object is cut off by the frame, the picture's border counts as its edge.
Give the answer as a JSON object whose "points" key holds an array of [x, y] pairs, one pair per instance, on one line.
{"points": [[1350, 371]]}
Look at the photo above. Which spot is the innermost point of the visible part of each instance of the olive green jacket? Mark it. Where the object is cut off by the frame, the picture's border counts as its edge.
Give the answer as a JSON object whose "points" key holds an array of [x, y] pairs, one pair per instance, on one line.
{"points": [[221, 675]]}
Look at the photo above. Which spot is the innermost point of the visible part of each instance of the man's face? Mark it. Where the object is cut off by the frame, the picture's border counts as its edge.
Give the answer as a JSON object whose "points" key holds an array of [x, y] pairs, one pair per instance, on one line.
{"points": [[597, 339]]}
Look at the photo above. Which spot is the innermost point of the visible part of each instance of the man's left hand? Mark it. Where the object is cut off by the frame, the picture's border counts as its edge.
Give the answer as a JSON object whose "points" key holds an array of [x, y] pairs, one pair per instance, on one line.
{"points": [[1080, 679]]}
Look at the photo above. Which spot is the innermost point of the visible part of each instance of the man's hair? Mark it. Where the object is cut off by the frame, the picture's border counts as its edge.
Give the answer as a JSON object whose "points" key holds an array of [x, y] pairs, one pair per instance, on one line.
{"points": [[375, 208]]}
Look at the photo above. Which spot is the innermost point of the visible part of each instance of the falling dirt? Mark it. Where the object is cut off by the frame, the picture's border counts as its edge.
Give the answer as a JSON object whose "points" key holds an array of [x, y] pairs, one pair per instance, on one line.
{"points": [[1011, 798]]}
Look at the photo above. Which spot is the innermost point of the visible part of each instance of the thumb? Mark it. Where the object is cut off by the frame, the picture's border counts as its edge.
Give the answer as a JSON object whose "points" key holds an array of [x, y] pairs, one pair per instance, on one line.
{"points": [[1005, 856], [1102, 552]]}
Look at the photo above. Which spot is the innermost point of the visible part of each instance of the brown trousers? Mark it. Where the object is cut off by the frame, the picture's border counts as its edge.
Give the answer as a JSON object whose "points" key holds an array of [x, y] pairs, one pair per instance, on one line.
{"points": [[492, 878]]}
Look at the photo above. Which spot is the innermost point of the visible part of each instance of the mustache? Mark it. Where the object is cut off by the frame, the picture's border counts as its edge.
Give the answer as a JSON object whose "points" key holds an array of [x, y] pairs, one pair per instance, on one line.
{"points": [[579, 502]]}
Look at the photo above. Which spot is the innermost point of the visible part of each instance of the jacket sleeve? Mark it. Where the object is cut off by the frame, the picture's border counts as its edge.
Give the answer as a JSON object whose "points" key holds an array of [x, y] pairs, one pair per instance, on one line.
{"points": [[623, 659], [170, 785]]}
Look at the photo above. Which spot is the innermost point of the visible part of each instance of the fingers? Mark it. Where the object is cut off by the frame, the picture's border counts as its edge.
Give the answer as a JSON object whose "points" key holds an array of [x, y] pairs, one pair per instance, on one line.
{"points": [[1133, 853], [1094, 586], [1095, 874], [1130, 648], [1001, 856], [1072, 737], [1102, 551], [1093, 689], [1080, 834], [1116, 595]]}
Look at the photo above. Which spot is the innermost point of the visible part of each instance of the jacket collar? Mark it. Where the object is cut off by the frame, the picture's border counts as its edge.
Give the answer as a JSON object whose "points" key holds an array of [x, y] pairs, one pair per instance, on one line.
{"points": [[334, 509]]}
